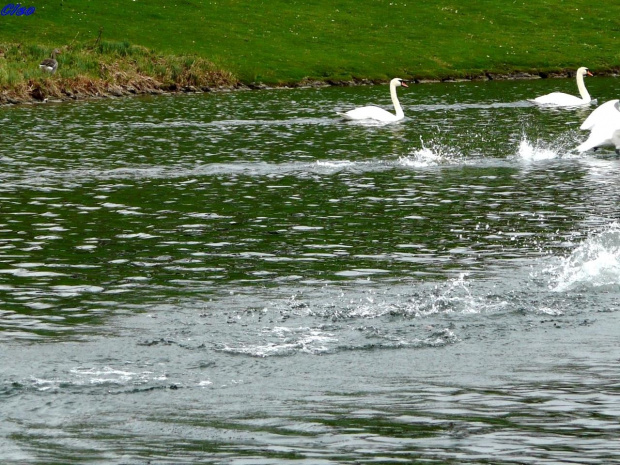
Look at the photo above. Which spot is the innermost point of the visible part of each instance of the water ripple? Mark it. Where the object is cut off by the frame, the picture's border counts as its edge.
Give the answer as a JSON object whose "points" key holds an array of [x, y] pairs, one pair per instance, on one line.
{"points": [[244, 277]]}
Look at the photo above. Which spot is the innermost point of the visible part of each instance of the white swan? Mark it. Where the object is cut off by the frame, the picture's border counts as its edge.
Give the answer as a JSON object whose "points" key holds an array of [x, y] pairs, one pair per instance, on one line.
{"points": [[561, 99], [376, 113], [604, 126]]}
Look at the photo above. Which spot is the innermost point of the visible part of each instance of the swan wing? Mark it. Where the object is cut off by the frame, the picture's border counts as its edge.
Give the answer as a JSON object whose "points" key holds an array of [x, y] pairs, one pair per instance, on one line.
{"points": [[602, 135], [607, 113], [596, 139]]}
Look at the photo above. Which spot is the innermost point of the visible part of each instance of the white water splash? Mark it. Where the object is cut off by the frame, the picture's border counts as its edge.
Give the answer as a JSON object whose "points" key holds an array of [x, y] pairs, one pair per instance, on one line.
{"points": [[594, 264], [421, 158], [453, 297], [537, 151], [562, 146], [432, 155]]}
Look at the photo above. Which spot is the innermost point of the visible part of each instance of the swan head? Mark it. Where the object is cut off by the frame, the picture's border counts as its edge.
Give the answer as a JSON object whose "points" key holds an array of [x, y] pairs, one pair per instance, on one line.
{"points": [[398, 82], [583, 71]]}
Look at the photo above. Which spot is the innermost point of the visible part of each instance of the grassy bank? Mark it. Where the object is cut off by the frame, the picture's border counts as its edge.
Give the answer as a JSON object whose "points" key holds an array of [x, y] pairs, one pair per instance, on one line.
{"points": [[102, 69], [284, 41]]}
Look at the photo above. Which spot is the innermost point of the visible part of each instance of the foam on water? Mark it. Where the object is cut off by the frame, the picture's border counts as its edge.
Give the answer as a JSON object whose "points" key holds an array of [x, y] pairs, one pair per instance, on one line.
{"points": [[595, 264]]}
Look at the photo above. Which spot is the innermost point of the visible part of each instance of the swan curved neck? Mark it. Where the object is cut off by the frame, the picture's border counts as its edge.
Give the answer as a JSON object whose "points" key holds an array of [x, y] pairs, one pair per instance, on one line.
{"points": [[397, 107], [582, 88]]}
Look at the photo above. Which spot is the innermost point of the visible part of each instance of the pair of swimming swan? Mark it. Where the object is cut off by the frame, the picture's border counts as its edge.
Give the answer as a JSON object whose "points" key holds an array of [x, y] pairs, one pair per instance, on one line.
{"points": [[379, 114], [603, 123]]}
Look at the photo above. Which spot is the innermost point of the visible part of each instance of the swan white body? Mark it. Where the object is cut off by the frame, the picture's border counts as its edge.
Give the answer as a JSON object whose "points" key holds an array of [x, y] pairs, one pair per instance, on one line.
{"points": [[560, 99], [379, 114], [604, 126]]}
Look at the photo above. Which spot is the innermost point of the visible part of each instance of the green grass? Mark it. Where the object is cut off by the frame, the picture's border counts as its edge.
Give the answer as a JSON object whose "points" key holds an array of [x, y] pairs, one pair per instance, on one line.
{"points": [[282, 41]]}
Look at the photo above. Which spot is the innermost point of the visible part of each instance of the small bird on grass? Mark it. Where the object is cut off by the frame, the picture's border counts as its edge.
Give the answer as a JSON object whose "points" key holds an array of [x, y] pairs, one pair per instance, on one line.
{"points": [[50, 65]]}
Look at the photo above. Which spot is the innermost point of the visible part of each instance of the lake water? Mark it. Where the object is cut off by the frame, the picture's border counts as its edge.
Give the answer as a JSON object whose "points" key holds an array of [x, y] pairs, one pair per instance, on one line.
{"points": [[244, 278]]}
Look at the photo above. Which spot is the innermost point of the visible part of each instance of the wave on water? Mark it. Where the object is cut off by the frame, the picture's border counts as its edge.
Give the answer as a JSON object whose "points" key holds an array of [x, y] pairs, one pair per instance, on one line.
{"points": [[595, 264], [334, 165], [223, 123], [461, 106], [96, 376]]}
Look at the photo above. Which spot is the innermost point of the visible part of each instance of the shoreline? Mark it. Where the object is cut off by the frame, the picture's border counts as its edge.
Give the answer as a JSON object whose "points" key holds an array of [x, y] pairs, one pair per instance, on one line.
{"points": [[89, 89]]}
